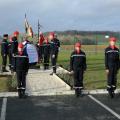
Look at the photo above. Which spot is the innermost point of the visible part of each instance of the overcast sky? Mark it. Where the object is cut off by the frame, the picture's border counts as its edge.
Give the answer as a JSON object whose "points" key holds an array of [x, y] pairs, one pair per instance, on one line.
{"points": [[60, 14]]}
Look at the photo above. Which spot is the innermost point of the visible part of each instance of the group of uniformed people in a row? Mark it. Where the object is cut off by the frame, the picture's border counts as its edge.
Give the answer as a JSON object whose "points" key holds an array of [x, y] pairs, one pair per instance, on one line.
{"points": [[9, 48], [19, 61], [49, 49], [112, 64]]}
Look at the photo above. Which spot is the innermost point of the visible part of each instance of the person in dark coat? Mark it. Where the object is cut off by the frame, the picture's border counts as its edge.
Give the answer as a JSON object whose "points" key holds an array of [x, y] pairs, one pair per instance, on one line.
{"points": [[21, 67], [78, 67], [14, 46], [112, 64], [40, 46], [46, 53], [9, 53], [4, 52], [54, 50]]}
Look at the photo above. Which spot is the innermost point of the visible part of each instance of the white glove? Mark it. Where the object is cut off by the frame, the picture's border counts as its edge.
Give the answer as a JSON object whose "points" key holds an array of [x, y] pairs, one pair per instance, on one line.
{"points": [[71, 73], [59, 49], [53, 56]]}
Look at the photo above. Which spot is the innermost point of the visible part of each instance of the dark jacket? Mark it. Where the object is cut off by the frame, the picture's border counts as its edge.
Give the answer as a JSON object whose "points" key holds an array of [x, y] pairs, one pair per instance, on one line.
{"points": [[4, 47], [14, 46], [46, 49], [112, 58], [78, 61], [54, 46], [9, 47], [21, 63]]}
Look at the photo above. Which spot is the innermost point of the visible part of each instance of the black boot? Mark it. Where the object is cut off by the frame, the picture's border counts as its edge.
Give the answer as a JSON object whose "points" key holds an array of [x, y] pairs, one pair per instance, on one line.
{"points": [[44, 67], [111, 92], [51, 73], [23, 94], [54, 70], [4, 69], [47, 67], [20, 93], [10, 67], [77, 92]]}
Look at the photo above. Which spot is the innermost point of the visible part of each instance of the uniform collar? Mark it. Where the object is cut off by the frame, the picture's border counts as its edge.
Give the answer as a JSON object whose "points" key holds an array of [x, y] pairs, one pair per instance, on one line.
{"points": [[113, 47], [77, 52]]}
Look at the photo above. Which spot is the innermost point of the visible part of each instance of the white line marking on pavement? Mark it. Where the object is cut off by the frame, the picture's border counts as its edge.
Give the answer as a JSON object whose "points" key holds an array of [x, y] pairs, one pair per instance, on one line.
{"points": [[3, 109], [105, 107]]}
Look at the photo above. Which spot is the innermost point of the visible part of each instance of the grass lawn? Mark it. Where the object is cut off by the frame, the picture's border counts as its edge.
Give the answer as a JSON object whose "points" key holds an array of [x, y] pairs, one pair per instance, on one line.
{"points": [[5, 83], [94, 77]]}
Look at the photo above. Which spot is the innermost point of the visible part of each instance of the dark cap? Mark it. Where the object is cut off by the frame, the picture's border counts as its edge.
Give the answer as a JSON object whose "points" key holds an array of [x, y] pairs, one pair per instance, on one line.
{"points": [[5, 35]]}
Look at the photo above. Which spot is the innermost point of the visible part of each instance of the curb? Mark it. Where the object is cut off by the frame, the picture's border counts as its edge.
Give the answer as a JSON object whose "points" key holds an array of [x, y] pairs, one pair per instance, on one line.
{"points": [[69, 92], [63, 70], [62, 82]]}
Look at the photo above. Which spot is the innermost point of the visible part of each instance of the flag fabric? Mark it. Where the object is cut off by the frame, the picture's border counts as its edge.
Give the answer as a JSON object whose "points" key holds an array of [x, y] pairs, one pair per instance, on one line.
{"points": [[26, 25], [30, 32], [28, 28], [41, 39], [32, 53]]}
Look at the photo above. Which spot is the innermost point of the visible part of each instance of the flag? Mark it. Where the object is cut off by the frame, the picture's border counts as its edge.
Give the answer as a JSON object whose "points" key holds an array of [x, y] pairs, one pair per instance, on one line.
{"points": [[30, 32], [41, 39], [28, 28]]}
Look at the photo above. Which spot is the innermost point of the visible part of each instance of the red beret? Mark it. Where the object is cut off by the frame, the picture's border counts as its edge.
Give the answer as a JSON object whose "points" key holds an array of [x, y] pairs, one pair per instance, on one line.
{"points": [[20, 45], [41, 33], [78, 44], [52, 34], [16, 33], [113, 39]]}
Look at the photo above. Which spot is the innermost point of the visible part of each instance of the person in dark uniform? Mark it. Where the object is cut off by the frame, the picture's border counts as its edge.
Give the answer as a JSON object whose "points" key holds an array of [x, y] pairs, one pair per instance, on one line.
{"points": [[9, 53], [4, 52], [14, 46], [78, 67], [112, 65], [40, 45], [46, 53], [55, 46], [21, 66]]}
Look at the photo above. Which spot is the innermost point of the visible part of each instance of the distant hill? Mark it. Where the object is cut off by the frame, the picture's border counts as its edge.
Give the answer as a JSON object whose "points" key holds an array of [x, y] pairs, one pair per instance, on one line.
{"points": [[70, 37], [86, 37], [83, 33]]}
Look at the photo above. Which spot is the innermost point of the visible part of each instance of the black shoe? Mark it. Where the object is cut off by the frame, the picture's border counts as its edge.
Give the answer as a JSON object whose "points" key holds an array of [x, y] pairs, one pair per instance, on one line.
{"points": [[45, 67], [51, 73], [77, 93], [20, 94], [10, 67], [24, 96], [112, 94], [5, 70]]}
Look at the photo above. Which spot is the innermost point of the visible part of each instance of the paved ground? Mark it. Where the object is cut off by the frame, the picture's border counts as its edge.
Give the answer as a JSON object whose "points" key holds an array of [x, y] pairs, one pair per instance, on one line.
{"points": [[57, 107], [62, 108], [42, 82]]}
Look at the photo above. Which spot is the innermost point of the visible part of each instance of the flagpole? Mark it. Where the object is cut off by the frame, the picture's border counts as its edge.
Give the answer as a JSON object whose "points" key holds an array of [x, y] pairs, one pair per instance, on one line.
{"points": [[25, 15], [25, 19], [38, 29]]}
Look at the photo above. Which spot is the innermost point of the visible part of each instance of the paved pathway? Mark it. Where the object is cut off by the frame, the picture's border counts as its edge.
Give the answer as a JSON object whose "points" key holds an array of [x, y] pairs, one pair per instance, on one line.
{"points": [[41, 82]]}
